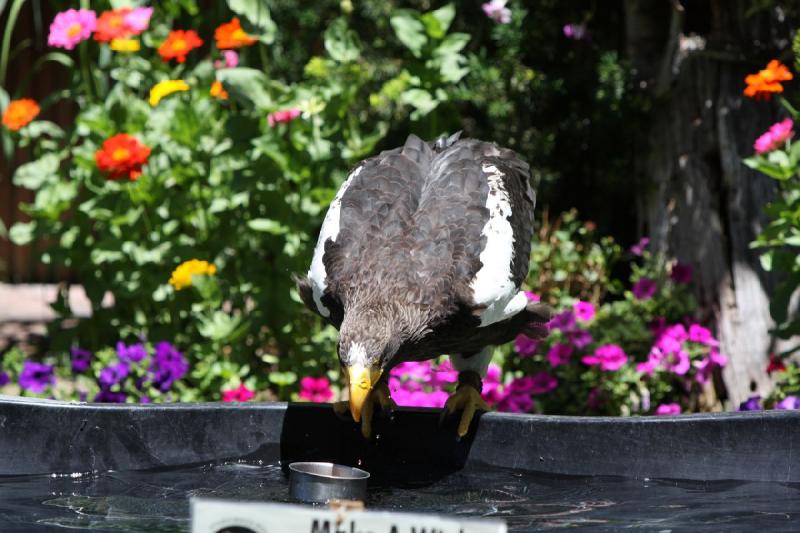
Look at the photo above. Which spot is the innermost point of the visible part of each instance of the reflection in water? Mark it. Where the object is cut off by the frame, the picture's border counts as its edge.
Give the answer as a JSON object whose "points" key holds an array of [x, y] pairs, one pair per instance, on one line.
{"points": [[157, 501]]}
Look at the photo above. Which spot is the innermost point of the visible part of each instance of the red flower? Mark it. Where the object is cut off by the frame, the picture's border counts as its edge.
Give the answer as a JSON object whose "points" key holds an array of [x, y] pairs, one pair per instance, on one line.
{"points": [[178, 44], [775, 364], [122, 156], [242, 394], [111, 25]]}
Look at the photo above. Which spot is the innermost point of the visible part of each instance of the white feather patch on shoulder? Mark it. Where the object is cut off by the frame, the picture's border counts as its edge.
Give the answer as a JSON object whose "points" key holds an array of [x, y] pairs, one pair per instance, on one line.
{"points": [[493, 285], [330, 230]]}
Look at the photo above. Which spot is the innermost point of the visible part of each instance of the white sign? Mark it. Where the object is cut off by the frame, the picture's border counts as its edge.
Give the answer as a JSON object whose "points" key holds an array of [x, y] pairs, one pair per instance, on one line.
{"points": [[218, 516]]}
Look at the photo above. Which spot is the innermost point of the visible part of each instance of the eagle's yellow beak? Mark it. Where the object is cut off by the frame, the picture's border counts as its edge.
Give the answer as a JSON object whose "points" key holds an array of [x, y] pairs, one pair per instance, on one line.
{"points": [[361, 381]]}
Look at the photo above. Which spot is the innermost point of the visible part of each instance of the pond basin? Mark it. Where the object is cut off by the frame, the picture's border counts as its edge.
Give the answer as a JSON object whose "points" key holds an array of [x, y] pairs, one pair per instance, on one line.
{"points": [[133, 468]]}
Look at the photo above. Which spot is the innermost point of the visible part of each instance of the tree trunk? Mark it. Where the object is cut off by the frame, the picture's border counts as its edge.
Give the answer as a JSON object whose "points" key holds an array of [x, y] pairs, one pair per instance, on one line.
{"points": [[697, 201]]}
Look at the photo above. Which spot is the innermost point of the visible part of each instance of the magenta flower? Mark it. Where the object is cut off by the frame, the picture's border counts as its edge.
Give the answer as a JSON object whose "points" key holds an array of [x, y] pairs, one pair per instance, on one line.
{"points": [[563, 320], [444, 374], [577, 32], [658, 326], [751, 404], [532, 296], [638, 248], [559, 354], [525, 346], [497, 11], [542, 383], [644, 289], [681, 273], [648, 367], [80, 359], [701, 335], [285, 116], [239, 394], [596, 399], [610, 357], [790, 402], [678, 362], [418, 370], [71, 27], [138, 19], [668, 409], [4, 378], [774, 137], [583, 310], [36, 377], [315, 389], [580, 338]]}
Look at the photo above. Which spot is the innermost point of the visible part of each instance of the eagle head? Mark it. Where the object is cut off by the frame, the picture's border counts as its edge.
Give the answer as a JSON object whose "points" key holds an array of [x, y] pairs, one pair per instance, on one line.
{"points": [[366, 347]]}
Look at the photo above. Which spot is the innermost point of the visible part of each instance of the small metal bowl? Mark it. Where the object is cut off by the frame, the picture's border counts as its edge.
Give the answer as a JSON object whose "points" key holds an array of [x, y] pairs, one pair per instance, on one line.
{"points": [[323, 482]]}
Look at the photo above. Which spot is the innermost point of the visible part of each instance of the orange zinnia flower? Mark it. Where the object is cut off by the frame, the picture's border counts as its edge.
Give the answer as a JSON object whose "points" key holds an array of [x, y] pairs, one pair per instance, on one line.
{"points": [[231, 35], [122, 156], [111, 25], [178, 44], [765, 82], [218, 91], [19, 113]]}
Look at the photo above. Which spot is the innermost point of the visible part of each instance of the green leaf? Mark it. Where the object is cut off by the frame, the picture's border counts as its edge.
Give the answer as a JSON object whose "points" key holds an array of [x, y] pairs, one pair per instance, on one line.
{"points": [[256, 12], [219, 326], [342, 43], [267, 225], [438, 22], [453, 43], [21, 233], [248, 84], [37, 128], [409, 30], [36, 173]]}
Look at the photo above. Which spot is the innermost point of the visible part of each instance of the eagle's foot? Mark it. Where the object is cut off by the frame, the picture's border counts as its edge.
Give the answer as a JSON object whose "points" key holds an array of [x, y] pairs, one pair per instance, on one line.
{"points": [[379, 395], [468, 398]]}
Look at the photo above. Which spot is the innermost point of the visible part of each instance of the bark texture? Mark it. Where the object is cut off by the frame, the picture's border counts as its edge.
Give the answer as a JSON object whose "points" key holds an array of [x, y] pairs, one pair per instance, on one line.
{"points": [[698, 202]]}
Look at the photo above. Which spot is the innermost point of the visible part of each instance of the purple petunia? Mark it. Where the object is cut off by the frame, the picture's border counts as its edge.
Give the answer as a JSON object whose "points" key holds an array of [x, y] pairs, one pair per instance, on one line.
{"points": [[542, 383], [638, 248], [563, 320], [580, 338], [4, 378], [584, 310], [790, 402], [107, 396], [751, 404], [666, 409], [525, 346], [559, 354], [644, 289], [168, 366], [81, 359], [681, 273], [132, 353], [113, 374], [36, 377]]}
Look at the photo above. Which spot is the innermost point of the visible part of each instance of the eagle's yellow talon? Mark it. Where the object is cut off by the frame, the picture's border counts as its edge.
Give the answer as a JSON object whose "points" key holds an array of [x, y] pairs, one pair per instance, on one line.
{"points": [[468, 399]]}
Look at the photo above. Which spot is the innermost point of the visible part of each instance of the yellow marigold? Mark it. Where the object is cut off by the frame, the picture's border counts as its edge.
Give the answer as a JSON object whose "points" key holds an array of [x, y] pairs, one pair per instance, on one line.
{"points": [[125, 45], [218, 91], [182, 276], [164, 88]]}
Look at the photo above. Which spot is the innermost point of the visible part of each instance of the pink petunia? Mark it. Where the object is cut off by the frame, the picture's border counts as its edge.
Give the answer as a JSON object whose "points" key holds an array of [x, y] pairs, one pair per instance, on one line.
{"points": [[515, 403], [559, 354], [584, 310], [638, 248], [666, 409], [284, 116], [240, 394], [315, 389], [563, 320], [138, 19], [644, 289], [525, 346], [774, 137], [71, 27], [577, 32], [610, 357], [701, 335], [444, 374], [497, 11], [678, 362], [532, 296]]}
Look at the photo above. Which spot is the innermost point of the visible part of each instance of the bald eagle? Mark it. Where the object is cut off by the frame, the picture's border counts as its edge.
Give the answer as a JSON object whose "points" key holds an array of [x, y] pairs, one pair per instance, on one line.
{"points": [[422, 253]]}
